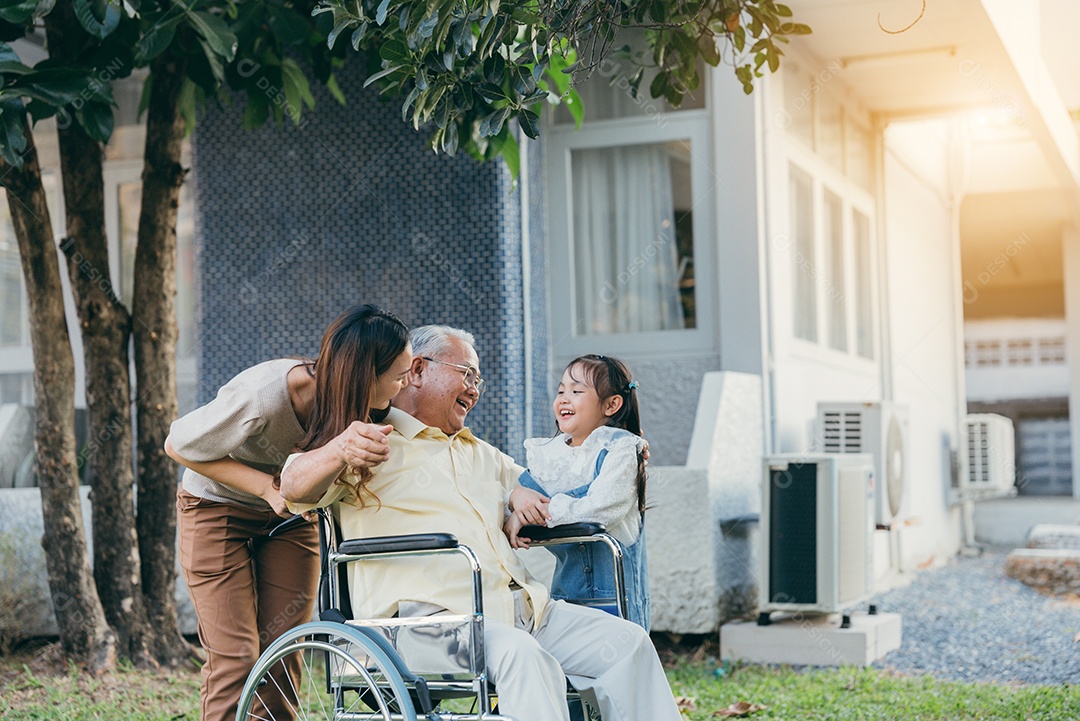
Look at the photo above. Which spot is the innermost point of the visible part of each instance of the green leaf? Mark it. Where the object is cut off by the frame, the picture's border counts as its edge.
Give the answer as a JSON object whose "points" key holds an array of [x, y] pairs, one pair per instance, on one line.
{"points": [[395, 51], [288, 26], [492, 123], [98, 17], [706, 45], [380, 12], [492, 92], [96, 119], [511, 155], [25, 11], [219, 38], [10, 63], [530, 123], [340, 26], [154, 42], [52, 86], [659, 85], [576, 107], [450, 139], [334, 89], [12, 135], [382, 74]]}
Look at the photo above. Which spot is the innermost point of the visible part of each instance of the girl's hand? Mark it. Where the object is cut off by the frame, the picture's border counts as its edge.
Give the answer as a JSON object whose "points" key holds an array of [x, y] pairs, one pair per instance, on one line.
{"points": [[532, 506], [512, 527], [363, 445]]}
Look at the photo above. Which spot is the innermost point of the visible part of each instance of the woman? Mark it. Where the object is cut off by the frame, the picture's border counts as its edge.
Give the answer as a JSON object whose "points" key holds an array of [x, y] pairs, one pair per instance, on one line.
{"points": [[248, 588]]}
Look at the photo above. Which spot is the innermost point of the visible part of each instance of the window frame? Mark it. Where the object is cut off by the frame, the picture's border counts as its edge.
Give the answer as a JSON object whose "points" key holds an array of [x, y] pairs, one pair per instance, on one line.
{"points": [[826, 179], [561, 141]]}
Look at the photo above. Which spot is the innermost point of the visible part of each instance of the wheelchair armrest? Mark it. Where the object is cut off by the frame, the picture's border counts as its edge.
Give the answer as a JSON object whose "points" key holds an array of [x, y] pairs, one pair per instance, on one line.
{"points": [[398, 544], [567, 530]]}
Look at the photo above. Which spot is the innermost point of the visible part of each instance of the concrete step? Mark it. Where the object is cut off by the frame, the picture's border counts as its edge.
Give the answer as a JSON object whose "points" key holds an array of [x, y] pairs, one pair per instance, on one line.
{"points": [[1052, 535]]}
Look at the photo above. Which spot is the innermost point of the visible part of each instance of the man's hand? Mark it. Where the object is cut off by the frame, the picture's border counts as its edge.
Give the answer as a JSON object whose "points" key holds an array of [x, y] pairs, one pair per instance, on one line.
{"points": [[512, 527], [363, 445], [532, 506]]}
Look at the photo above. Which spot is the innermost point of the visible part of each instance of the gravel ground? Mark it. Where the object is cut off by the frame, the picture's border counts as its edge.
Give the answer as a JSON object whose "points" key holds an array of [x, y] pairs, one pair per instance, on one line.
{"points": [[968, 621]]}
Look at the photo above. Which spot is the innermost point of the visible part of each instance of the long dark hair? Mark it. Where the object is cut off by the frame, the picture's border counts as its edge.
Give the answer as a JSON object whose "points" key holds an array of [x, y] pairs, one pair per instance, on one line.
{"points": [[357, 347], [610, 377]]}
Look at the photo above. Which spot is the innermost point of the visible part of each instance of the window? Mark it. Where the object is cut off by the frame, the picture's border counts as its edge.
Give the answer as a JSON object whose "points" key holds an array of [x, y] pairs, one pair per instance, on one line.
{"points": [[831, 260], [629, 208], [814, 114], [835, 298], [628, 264], [802, 226], [829, 150], [864, 285]]}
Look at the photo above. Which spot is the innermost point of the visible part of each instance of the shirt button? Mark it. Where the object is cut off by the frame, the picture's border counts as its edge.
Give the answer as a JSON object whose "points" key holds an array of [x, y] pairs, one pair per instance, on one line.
{"points": [[588, 570]]}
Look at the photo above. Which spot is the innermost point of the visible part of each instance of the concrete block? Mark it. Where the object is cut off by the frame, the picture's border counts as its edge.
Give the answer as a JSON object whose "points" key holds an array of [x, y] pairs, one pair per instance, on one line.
{"points": [[16, 441], [1052, 535], [23, 575], [1052, 570], [812, 640]]}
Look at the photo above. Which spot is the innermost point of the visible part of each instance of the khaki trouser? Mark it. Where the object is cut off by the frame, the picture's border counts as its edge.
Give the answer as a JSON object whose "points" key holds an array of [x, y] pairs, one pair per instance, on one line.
{"points": [[247, 590], [612, 662]]}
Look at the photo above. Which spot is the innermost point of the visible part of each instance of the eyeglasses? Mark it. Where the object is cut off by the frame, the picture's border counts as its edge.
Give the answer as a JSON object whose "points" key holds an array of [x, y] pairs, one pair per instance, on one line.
{"points": [[472, 375]]}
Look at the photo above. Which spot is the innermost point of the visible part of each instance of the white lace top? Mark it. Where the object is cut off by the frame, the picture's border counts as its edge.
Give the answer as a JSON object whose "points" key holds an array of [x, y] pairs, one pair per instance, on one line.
{"points": [[612, 498]]}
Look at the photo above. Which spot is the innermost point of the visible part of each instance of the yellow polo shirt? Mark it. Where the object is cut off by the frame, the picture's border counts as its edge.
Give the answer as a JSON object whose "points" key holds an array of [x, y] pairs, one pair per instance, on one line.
{"points": [[434, 483]]}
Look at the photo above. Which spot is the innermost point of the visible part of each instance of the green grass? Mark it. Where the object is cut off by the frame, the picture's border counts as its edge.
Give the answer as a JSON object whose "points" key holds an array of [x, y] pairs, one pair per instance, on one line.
{"points": [[864, 695], [34, 687], [38, 686]]}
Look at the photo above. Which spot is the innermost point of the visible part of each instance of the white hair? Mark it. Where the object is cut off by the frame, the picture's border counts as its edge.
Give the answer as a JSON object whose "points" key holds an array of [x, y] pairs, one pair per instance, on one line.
{"points": [[430, 340]]}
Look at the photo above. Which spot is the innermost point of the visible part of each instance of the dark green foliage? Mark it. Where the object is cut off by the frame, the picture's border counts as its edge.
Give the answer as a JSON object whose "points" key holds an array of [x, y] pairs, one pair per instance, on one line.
{"points": [[256, 47], [469, 66]]}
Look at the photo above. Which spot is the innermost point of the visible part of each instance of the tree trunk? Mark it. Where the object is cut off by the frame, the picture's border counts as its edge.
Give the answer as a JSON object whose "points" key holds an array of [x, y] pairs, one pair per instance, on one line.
{"points": [[84, 632], [154, 310], [106, 333]]}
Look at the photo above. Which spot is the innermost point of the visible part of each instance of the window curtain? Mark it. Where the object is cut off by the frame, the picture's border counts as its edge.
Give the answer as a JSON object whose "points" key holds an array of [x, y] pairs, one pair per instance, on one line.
{"points": [[626, 269]]}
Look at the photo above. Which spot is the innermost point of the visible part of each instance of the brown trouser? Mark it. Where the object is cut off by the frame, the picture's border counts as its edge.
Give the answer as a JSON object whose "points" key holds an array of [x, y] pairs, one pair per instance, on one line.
{"points": [[247, 589]]}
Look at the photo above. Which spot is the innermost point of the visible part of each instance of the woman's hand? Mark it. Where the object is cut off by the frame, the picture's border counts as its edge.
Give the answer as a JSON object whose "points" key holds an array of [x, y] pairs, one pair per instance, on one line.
{"points": [[364, 445], [277, 502], [532, 506]]}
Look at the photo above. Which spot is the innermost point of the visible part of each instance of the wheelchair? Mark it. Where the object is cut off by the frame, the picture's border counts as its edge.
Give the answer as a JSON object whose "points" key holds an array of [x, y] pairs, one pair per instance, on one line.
{"points": [[393, 669]]}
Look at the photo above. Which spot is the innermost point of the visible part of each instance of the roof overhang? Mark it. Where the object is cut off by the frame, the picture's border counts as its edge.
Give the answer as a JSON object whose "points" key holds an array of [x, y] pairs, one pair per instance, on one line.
{"points": [[979, 58]]}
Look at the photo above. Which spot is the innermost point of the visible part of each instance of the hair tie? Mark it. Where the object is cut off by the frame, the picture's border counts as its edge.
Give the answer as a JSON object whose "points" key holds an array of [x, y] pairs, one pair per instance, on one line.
{"points": [[632, 385]]}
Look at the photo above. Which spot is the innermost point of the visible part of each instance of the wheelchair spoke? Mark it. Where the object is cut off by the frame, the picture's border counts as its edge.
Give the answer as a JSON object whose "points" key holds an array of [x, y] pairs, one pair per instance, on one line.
{"points": [[324, 675]]}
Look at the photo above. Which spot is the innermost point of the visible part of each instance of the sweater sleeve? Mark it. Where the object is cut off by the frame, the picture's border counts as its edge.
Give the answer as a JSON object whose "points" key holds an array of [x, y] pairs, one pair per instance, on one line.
{"points": [[612, 494], [220, 427]]}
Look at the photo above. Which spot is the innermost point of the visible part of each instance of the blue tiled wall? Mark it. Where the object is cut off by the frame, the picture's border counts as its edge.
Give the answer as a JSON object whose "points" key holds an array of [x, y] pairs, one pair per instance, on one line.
{"points": [[296, 223]]}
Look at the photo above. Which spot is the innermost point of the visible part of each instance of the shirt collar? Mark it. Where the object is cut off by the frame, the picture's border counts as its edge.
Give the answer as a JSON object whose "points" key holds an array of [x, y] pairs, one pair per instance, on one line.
{"points": [[410, 427]]}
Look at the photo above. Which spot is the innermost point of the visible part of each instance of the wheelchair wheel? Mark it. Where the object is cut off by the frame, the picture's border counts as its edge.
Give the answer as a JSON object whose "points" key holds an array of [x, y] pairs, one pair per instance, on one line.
{"points": [[325, 671]]}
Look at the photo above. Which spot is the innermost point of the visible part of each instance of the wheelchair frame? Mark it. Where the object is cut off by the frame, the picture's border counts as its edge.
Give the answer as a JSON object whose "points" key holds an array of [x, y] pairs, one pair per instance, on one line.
{"points": [[392, 659]]}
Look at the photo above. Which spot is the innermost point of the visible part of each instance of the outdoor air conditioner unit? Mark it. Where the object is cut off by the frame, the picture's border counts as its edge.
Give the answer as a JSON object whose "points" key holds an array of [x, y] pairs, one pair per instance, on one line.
{"points": [[879, 428], [817, 530], [989, 456]]}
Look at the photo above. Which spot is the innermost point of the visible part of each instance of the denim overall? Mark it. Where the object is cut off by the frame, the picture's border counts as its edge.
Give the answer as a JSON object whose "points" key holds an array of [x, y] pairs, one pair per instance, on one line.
{"points": [[587, 570]]}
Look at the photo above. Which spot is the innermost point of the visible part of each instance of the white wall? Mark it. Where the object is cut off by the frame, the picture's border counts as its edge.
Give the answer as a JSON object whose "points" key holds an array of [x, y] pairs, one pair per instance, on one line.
{"points": [[922, 256]]}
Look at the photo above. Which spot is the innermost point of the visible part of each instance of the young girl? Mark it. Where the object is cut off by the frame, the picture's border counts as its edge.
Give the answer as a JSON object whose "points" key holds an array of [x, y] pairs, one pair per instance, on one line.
{"points": [[592, 471]]}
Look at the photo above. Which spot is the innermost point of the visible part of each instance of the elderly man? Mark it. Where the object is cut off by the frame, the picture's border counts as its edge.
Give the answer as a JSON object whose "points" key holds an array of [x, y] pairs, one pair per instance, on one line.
{"points": [[441, 478]]}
